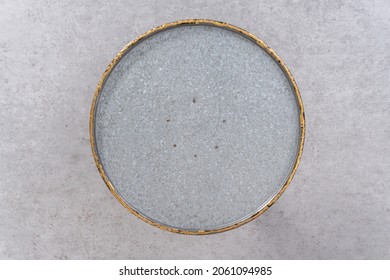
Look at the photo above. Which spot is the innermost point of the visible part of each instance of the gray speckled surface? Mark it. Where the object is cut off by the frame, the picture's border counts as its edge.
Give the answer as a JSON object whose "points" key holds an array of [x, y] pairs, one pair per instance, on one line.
{"points": [[54, 204], [197, 127]]}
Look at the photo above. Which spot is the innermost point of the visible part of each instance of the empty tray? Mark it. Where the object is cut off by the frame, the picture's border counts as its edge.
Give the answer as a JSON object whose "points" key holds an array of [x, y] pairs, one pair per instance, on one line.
{"points": [[197, 126]]}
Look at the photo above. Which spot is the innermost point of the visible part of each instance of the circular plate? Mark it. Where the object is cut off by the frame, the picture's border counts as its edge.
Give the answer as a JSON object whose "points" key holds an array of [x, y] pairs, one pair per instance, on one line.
{"points": [[197, 127]]}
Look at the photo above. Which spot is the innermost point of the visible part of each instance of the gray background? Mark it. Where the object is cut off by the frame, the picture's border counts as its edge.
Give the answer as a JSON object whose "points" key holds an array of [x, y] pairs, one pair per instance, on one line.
{"points": [[54, 203]]}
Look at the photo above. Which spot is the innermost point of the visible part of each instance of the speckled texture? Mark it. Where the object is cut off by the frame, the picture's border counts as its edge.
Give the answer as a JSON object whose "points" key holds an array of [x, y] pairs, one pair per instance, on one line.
{"points": [[197, 127], [54, 204]]}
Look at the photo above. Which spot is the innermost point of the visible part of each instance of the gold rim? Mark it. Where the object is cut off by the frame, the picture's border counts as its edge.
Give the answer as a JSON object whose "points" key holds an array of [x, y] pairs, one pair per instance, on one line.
{"points": [[195, 22]]}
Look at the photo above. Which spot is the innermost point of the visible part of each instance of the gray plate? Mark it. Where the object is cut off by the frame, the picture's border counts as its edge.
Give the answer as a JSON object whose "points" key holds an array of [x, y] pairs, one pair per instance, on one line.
{"points": [[197, 127]]}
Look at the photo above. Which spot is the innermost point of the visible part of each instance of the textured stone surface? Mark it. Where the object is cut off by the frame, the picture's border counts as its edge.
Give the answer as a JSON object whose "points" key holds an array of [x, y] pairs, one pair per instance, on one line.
{"points": [[197, 127], [54, 203]]}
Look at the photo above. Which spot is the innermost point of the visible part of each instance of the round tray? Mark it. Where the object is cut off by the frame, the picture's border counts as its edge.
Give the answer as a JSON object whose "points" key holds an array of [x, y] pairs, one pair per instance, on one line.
{"points": [[197, 127]]}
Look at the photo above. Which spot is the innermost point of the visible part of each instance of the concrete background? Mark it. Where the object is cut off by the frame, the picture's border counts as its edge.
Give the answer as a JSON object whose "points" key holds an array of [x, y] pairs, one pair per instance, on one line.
{"points": [[54, 205]]}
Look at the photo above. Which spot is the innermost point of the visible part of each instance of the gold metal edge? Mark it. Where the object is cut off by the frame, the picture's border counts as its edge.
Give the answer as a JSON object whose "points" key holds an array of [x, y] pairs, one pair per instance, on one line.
{"points": [[192, 22]]}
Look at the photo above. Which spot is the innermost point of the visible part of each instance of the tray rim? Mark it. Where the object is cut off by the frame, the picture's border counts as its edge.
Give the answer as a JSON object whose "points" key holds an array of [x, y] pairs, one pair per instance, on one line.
{"points": [[124, 51]]}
